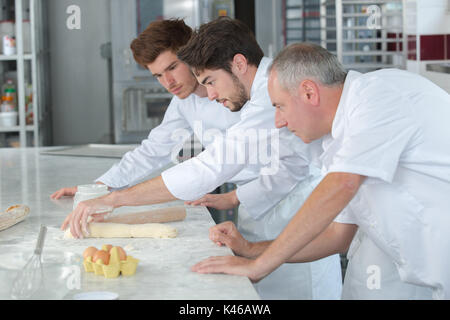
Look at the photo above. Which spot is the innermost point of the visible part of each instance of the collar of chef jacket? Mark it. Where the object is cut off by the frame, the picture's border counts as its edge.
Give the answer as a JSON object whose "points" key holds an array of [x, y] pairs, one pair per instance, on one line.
{"points": [[259, 95], [261, 77], [330, 142]]}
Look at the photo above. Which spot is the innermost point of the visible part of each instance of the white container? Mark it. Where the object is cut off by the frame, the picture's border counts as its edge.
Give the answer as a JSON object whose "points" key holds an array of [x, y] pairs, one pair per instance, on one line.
{"points": [[89, 191], [7, 106], [7, 28], [8, 119], [9, 45]]}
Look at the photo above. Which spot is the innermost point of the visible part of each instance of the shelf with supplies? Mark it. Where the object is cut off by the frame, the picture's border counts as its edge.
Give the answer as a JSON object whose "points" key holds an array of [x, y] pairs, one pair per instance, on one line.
{"points": [[369, 34], [364, 35], [23, 77]]}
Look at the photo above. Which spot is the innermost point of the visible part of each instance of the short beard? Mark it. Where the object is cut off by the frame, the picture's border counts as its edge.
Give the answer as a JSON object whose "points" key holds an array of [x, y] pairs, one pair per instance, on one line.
{"points": [[241, 99]]}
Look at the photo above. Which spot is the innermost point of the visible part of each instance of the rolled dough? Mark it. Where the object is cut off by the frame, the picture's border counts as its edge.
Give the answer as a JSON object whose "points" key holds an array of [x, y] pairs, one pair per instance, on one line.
{"points": [[121, 230]]}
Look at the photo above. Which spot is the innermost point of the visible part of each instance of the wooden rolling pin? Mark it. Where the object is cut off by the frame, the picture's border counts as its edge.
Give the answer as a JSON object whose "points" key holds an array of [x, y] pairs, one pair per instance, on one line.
{"points": [[152, 216]]}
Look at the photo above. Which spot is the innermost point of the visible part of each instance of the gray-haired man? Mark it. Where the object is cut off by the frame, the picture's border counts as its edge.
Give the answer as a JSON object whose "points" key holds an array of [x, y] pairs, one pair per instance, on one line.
{"points": [[386, 142]]}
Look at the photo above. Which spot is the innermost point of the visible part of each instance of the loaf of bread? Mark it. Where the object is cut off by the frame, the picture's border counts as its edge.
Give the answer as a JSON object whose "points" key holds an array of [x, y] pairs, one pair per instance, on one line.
{"points": [[13, 215]]}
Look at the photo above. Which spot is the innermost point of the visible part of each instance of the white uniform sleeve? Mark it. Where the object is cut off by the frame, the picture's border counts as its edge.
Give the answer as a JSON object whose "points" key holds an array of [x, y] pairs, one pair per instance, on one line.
{"points": [[346, 216], [265, 192], [224, 158], [376, 134], [154, 152]]}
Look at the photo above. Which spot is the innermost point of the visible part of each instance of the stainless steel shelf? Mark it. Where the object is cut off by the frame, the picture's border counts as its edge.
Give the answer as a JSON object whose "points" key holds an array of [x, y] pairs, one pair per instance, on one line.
{"points": [[439, 67], [371, 65], [17, 128], [27, 56], [348, 41], [300, 6], [373, 40], [364, 28], [371, 53], [365, 15], [10, 129], [336, 35], [369, 2]]}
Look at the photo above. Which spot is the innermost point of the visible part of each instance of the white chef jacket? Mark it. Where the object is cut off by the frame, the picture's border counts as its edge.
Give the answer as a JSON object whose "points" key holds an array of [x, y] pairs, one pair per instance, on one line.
{"points": [[182, 118], [196, 177], [202, 117], [392, 127]]}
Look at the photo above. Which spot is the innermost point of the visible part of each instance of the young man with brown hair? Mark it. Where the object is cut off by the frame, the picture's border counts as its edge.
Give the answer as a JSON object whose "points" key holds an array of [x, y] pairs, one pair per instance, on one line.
{"points": [[155, 49]]}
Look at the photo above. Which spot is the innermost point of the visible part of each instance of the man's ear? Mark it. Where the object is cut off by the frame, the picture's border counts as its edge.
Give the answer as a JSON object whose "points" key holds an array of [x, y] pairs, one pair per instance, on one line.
{"points": [[308, 91], [239, 64]]}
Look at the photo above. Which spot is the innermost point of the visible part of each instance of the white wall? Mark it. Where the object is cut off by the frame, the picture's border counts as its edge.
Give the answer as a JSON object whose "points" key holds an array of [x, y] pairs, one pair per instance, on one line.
{"points": [[425, 18], [79, 76]]}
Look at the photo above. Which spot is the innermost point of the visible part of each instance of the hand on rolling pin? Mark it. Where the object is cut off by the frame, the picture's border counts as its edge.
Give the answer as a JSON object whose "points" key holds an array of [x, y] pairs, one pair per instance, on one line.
{"points": [[78, 219], [227, 234], [69, 192], [223, 201]]}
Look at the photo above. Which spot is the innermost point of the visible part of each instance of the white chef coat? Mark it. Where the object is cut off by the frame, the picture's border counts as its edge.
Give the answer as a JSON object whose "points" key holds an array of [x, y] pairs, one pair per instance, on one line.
{"points": [[182, 118], [392, 127], [196, 177], [268, 201], [372, 275], [207, 120]]}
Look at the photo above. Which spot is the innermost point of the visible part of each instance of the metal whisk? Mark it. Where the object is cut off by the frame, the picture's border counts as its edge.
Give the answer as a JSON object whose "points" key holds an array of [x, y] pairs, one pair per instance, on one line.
{"points": [[30, 278]]}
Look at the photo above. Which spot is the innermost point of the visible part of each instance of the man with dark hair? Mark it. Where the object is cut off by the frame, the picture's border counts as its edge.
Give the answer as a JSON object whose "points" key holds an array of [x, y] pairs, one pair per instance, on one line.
{"points": [[270, 190], [227, 60], [217, 42]]}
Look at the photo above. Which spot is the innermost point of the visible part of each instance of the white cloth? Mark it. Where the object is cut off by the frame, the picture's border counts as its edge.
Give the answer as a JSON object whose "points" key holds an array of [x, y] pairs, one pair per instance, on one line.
{"points": [[371, 275], [392, 126], [182, 118]]}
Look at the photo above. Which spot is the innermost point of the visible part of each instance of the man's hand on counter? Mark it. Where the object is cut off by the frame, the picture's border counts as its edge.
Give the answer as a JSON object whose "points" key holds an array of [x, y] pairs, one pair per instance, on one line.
{"points": [[227, 234], [223, 201], [230, 265], [68, 192]]}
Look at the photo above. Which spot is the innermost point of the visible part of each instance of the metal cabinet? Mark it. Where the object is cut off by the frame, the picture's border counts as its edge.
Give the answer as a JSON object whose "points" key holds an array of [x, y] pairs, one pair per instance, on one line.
{"points": [[302, 21], [369, 34], [365, 35]]}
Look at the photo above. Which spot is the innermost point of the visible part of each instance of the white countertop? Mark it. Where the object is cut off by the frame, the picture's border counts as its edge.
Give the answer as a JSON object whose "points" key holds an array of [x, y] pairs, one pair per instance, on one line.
{"points": [[27, 177]]}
